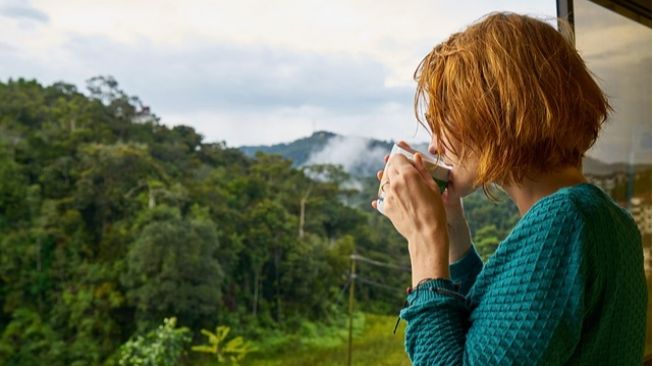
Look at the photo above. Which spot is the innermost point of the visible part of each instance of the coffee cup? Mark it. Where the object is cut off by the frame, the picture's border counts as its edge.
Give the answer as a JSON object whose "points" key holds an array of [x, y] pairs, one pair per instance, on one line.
{"points": [[437, 169]]}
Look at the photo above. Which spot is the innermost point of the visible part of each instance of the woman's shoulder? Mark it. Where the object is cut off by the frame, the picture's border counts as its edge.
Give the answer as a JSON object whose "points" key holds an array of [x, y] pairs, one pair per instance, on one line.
{"points": [[563, 206], [581, 207], [551, 233]]}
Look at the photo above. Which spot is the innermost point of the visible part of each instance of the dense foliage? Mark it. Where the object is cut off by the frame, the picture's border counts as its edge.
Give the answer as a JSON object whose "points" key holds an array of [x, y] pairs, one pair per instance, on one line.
{"points": [[111, 222], [160, 347]]}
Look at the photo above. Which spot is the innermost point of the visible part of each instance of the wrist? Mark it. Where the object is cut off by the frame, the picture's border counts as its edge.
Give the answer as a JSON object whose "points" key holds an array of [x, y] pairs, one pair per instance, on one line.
{"points": [[430, 240], [429, 256], [424, 276]]}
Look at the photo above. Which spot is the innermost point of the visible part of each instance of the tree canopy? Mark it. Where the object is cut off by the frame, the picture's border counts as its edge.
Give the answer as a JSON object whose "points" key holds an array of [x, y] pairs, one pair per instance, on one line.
{"points": [[111, 222]]}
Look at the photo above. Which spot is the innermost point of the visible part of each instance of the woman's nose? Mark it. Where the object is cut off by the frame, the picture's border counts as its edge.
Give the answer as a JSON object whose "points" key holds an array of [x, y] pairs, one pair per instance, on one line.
{"points": [[433, 149]]}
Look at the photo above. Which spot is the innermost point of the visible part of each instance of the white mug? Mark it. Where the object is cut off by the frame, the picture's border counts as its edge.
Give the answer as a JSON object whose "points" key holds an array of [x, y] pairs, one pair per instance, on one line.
{"points": [[439, 171]]}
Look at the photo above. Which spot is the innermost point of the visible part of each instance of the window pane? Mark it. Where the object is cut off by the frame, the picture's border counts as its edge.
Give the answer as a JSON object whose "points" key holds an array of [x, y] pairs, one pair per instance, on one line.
{"points": [[618, 51]]}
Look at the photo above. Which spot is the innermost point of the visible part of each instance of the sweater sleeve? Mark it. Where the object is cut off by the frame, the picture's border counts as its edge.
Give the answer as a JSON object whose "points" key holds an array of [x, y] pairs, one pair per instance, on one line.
{"points": [[464, 271], [530, 313]]}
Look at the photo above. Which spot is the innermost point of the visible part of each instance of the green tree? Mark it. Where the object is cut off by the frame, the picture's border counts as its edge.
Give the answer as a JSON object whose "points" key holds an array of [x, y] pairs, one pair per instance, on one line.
{"points": [[27, 340], [173, 267], [269, 233], [486, 241]]}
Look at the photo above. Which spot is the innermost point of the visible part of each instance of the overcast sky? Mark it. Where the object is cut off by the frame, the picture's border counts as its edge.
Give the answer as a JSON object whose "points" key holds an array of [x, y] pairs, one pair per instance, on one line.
{"points": [[618, 51], [248, 72]]}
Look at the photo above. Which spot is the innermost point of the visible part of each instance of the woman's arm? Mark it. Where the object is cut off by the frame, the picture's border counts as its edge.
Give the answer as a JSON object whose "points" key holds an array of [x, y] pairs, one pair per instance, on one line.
{"points": [[459, 236], [464, 262], [529, 311]]}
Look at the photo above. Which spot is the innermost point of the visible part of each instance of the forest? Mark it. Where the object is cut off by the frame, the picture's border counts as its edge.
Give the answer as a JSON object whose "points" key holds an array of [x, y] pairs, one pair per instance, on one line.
{"points": [[119, 233]]}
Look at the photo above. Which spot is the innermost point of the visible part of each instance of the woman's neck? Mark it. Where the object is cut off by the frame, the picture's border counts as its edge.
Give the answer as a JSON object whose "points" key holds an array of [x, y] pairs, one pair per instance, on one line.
{"points": [[526, 193]]}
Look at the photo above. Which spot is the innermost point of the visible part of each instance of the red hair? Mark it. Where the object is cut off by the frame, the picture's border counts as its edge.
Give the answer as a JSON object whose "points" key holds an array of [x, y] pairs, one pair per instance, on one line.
{"points": [[513, 91]]}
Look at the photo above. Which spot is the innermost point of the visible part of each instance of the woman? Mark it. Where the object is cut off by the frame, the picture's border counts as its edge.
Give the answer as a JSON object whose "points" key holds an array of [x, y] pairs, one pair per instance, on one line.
{"points": [[509, 102]]}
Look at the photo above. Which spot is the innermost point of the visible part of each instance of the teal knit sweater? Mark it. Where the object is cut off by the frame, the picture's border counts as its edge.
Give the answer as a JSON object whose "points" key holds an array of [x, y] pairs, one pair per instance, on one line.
{"points": [[566, 286]]}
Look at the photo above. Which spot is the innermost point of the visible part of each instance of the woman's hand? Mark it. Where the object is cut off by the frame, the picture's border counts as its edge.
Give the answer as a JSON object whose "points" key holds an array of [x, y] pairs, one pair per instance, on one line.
{"points": [[412, 200], [458, 229], [414, 206]]}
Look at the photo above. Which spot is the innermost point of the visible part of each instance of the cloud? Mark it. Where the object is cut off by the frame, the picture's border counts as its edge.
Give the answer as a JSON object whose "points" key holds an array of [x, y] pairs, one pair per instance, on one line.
{"points": [[23, 11], [355, 154], [208, 75], [249, 72], [6, 48], [394, 33], [255, 127], [243, 94], [352, 152]]}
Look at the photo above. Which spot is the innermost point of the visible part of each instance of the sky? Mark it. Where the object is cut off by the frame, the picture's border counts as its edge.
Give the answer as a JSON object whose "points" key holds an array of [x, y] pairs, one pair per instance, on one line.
{"points": [[251, 72]]}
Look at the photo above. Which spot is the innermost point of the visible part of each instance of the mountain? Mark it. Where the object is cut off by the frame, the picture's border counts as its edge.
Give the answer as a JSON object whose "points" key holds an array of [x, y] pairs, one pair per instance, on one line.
{"points": [[359, 156], [298, 151], [362, 157], [597, 167]]}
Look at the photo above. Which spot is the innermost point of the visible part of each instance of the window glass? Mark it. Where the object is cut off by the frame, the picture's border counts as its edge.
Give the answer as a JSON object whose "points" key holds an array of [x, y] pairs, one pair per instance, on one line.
{"points": [[618, 51]]}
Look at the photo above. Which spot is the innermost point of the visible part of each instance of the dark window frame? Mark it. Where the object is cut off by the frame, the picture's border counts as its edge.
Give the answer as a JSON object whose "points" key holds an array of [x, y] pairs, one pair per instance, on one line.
{"points": [[636, 10]]}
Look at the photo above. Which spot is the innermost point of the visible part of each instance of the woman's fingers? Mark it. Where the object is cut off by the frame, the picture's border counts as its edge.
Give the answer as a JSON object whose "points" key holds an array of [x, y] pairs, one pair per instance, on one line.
{"points": [[374, 203], [386, 157], [379, 175], [403, 143]]}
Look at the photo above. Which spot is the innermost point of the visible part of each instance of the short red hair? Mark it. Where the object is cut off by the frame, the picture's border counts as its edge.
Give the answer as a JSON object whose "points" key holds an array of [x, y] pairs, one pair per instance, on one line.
{"points": [[515, 92]]}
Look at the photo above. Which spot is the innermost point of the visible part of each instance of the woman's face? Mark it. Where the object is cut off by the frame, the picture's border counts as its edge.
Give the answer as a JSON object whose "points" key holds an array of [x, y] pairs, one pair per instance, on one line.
{"points": [[462, 172]]}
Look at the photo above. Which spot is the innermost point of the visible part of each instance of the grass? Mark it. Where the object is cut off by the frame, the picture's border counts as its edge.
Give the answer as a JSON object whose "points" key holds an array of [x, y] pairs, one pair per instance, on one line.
{"points": [[373, 344]]}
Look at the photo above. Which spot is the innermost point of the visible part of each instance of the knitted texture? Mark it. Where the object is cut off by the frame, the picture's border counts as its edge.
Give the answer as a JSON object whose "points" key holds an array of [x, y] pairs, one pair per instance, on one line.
{"points": [[566, 286]]}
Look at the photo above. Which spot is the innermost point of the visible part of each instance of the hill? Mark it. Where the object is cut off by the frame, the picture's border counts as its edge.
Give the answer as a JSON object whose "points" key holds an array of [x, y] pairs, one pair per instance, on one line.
{"points": [[359, 156]]}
